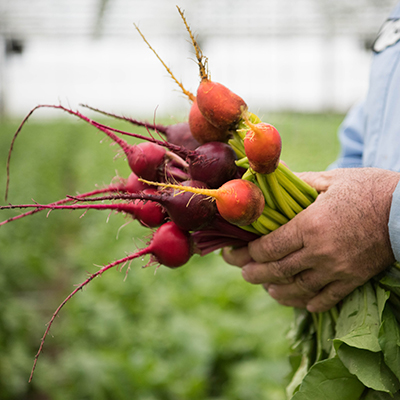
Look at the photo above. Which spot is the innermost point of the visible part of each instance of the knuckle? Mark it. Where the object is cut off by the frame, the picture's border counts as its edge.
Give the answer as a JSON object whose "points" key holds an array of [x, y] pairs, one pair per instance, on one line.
{"points": [[306, 284], [315, 223], [281, 272], [260, 250]]}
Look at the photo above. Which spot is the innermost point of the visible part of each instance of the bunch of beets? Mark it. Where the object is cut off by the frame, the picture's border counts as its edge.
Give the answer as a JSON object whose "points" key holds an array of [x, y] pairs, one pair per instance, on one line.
{"points": [[211, 182]]}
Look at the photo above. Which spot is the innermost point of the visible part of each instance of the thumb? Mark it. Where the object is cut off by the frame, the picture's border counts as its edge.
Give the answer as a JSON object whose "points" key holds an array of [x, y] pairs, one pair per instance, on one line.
{"points": [[320, 181]]}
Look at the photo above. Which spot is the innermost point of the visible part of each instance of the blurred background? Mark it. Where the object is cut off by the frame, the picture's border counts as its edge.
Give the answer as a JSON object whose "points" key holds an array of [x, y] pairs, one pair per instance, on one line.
{"points": [[304, 55], [198, 332]]}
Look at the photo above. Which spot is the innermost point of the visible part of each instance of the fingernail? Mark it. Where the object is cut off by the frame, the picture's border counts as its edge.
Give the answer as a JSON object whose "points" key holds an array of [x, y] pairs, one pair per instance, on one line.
{"points": [[272, 289], [311, 308]]}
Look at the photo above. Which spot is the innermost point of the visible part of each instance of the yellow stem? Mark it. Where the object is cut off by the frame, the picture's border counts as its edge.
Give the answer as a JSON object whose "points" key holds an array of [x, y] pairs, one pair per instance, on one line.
{"points": [[190, 189], [190, 95]]}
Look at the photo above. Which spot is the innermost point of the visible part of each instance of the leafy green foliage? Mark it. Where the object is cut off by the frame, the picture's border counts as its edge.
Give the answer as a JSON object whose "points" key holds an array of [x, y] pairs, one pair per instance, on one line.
{"points": [[193, 333], [364, 359], [329, 380]]}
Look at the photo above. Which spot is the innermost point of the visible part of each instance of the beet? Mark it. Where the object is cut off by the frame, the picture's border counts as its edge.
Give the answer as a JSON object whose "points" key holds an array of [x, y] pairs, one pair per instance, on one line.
{"points": [[187, 211], [263, 146], [219, 105], [202, 130], [240, 202], [170, 246], [213, 163], [181, 135]]}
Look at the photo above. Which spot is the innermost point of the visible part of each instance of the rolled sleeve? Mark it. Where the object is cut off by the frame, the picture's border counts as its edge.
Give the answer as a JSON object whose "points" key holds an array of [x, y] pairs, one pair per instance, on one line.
{"points": [[394, 223]]}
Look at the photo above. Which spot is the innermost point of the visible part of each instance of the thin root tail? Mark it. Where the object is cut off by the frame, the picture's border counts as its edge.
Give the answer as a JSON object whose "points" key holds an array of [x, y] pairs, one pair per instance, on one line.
{"points": [[80, 287]]}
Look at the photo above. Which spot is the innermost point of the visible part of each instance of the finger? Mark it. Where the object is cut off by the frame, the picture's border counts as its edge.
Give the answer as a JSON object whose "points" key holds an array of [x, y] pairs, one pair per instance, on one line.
{"points": [[302, 288], [330, 296], [298, 302], [289, 292], [281, 271], [277, 244], [238, 257], [257, 273]]}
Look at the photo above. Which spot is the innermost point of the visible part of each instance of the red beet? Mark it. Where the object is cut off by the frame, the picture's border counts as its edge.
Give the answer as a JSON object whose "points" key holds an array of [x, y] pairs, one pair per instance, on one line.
{"points": [[181, 135], [145, 159], [170, 246], [240, 202], [189, 212], [133, 185], [214, 164]]}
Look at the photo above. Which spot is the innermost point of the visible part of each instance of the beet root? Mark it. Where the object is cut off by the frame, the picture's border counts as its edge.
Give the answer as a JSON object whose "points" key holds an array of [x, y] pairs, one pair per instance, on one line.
{"points": [[181, 135], [219, 105], [240, 202], [213, 163], [202, 130], [263, 146], [170, 246]]}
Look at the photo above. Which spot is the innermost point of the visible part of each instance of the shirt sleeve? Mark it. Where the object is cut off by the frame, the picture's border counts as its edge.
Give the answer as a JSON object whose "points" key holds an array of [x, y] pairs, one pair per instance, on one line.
{"points": [[394, 223], [351, 139]]}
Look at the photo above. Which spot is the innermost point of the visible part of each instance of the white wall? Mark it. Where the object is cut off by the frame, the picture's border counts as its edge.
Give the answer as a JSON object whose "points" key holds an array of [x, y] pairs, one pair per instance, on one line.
{"points": [[124, 76]]}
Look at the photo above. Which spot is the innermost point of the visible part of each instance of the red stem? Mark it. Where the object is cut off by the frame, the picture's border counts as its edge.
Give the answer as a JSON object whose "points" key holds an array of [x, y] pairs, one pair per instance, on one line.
{"points": [[52, 206], [63, 201], [122, 143], [139, 253], [217, 243], [156, 127]]}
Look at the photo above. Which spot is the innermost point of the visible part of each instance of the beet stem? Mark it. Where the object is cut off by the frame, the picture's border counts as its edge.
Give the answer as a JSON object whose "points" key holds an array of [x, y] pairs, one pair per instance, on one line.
{"points": [[59, 202], [12, 146], [201, 59], [185, 92], [156, 127], [206, 192], [139, 253]]}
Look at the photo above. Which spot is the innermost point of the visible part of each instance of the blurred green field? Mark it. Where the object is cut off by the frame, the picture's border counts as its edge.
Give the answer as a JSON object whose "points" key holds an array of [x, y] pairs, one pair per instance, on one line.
{"points": [[198, 332]]}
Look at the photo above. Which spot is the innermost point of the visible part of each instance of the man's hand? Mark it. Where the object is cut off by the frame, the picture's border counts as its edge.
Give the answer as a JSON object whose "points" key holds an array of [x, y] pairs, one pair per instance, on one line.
{"points": [[335, 245]]}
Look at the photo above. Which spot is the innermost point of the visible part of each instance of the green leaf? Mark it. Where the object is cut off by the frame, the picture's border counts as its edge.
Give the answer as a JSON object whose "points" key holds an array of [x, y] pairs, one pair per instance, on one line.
{"points": [[389, 340], [301, 325], [391, 277], [305, 352], [329, 380], [299, 375], [374, 395], [327, 333], [382, 296], [359, 320], [369, 367]]}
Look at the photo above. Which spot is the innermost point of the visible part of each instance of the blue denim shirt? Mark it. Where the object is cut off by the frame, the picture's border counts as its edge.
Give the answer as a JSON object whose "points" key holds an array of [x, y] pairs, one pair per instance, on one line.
{"points": [[370, 133]]}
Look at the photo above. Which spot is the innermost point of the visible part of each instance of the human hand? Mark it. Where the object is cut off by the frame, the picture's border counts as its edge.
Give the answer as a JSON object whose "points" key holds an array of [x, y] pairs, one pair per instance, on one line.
{"points": [[335, 245]]}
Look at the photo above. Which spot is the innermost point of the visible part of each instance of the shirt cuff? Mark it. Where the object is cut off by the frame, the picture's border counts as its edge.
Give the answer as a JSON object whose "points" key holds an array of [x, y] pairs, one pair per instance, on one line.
{"points": [[394, 223]]}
